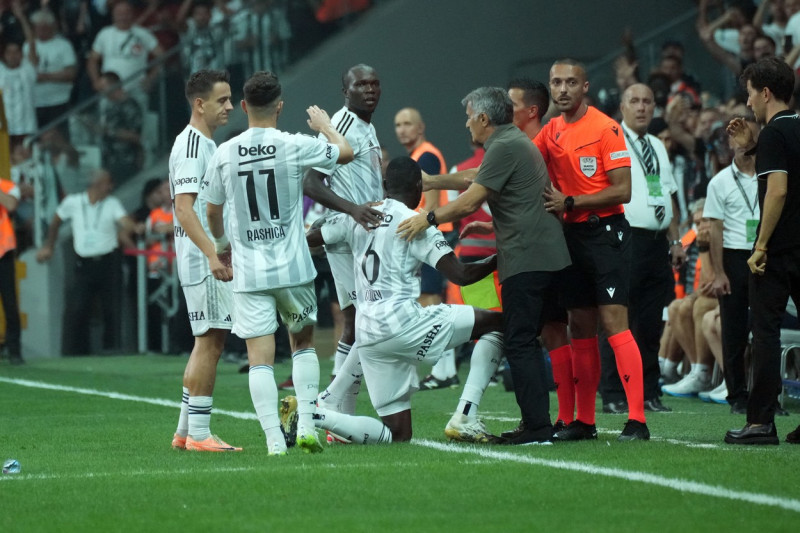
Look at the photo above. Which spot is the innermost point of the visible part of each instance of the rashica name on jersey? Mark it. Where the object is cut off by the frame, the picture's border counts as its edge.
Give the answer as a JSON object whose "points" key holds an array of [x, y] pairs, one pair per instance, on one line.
{"points": [[264, 234]]}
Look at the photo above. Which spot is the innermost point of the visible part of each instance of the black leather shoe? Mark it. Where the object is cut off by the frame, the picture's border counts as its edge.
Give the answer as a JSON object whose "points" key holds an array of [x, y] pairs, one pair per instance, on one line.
{"points": [[616, 408], [634, 430], [532, 436], [577, 430], [655, 406], [750, 434], [794, 436], [514, 433]]}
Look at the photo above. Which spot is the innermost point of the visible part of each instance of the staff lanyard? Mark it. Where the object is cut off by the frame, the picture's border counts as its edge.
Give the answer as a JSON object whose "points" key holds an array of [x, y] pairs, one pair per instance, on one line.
{"points": [[751, 207], [640, 157], [84, 206]]}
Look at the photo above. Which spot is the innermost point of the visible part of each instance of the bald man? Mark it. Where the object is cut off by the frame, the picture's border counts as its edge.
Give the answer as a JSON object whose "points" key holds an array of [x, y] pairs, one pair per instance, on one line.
{"points": [[410, 130], [653, 215]]}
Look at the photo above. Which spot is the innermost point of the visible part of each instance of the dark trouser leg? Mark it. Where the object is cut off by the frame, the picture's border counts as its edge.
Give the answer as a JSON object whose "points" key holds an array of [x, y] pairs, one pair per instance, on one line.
{"points": [[8, 292], [522, 310], [108, 276], [650, 285], [77, 310], [733, 310]]}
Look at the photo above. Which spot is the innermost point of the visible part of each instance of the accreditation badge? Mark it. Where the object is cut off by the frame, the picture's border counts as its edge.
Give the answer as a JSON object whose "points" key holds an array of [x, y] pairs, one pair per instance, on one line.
{"points": [[751, 230], [655, 194], [588, 166]]}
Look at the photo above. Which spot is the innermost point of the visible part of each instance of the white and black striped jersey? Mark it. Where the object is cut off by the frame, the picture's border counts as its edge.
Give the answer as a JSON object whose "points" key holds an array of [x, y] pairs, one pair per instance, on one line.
{"points": [[386, 269], [359, 181], [187, 166], [259, 174]]}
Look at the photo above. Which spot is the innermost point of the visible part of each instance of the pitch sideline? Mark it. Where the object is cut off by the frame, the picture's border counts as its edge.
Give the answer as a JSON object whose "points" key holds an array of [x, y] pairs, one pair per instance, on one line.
{"points": [[682, 485]]}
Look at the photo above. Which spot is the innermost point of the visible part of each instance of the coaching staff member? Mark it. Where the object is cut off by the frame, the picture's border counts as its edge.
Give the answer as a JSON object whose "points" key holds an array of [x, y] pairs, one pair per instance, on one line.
{"points": [[775, 263], [591, 170], [530, 243]]}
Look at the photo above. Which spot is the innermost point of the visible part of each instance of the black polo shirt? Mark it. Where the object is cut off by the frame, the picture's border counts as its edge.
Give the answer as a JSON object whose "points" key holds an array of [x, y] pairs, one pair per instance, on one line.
{"points": [[778, 150]]}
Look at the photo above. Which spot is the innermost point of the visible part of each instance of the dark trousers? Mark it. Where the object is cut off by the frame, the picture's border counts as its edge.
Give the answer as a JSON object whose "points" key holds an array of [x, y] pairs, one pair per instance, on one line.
{"points": [[768, 296], [523, 296], [8, 292], [96, 278], [733, 314], [651, 288]]}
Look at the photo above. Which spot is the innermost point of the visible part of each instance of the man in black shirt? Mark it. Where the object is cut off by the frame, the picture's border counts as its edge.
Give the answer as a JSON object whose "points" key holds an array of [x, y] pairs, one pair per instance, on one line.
{"points": [[775, 263]]}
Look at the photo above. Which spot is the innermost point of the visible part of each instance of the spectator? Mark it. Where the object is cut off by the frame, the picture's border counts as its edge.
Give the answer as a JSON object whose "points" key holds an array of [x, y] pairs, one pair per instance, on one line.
{"points": [[9, 198], [56, 68], [775, 28], [124, 48], [120, 125], [99, 226], [11, 30], [201, 42], [17, 81]]}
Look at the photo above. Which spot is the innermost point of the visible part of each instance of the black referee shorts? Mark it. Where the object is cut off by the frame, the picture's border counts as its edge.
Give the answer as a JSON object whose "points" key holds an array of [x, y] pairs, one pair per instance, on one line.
{"points": [[600, 269]]}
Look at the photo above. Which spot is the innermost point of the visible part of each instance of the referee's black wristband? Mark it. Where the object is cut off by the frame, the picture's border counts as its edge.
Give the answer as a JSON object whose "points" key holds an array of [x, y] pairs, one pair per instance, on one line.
{"points": [[703, 248]]}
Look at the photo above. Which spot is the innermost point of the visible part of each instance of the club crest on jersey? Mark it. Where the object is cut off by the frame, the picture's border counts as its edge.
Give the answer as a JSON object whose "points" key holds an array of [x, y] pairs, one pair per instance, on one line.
{"points": [[588, 166]]}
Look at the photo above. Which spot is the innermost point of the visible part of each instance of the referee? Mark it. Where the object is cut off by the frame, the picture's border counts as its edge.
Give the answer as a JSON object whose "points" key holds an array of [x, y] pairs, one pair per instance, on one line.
{"points": [[775, 263]]}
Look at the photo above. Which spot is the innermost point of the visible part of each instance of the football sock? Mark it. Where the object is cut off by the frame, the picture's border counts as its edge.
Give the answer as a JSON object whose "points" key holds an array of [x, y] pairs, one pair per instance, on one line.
{"points": [[445, 367], [669, 366], [342, 350], [561, 361], [305, 376], [356, 429], [703, 372], [344, 383], [586, 376], [199, 417], [482, 366], [183, 417], [264, 393], [629, 366]]}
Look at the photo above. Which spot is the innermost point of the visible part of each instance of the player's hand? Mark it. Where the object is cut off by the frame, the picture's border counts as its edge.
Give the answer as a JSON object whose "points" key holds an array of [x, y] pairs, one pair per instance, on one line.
{"points": [[411, 227], [721, 285], [365, 215], [740, 133], [678, 255], [553, 200], [219, 269], [44, 254], [476, 228], [758, 262], [318, 119]]}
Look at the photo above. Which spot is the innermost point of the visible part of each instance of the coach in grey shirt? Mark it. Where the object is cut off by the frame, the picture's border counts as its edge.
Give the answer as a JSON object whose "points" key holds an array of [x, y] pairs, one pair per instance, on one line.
{"points": [[530, 242]]}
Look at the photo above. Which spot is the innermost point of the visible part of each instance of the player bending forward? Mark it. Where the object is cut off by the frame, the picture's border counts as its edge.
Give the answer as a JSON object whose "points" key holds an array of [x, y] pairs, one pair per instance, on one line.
{"points": [[394, 332]]}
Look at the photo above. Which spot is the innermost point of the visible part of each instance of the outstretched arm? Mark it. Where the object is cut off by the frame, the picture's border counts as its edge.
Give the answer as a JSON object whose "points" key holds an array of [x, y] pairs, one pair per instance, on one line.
{"points": [[465, 273]]}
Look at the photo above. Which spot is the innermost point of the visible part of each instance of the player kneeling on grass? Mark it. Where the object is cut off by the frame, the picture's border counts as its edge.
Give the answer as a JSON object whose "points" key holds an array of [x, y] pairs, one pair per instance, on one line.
{"points": [[394, 332]]}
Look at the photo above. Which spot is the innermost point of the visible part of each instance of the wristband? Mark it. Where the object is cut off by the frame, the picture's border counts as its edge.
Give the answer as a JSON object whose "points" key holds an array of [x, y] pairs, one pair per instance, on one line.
{"points": [[676, 243], [703, 248], [220, 244]]}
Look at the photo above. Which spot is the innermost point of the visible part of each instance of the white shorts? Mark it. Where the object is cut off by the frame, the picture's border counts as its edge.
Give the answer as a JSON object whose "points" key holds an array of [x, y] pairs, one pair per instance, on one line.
{"points": [[344, 278], [209, 304], [390, 366], [254, 313]]}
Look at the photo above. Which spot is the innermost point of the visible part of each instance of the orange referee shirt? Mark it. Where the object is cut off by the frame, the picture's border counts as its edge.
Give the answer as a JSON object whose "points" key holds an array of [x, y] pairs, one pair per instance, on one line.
{"points": [[8, 239], [580, 155]]}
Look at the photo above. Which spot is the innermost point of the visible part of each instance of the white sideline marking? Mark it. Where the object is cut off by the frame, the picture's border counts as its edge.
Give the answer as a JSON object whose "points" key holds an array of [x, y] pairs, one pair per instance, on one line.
{"points": [[682, 485]]}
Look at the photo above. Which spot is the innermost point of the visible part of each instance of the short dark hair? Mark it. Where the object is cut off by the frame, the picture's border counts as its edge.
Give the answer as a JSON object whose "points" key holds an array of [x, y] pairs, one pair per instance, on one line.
{"points": [[773, 73], [346, 73], [201, 83], [262, 89], [403, 175], [533, 93]]}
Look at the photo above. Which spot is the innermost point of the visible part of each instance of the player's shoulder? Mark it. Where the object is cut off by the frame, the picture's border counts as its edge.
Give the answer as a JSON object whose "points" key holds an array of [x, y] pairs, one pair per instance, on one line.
{"points": [[601, 121]]}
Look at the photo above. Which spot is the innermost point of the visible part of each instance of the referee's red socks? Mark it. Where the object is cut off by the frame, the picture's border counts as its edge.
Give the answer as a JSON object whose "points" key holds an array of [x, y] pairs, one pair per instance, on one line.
{"points": [[586, 372], [561, 360], [629, 366]]}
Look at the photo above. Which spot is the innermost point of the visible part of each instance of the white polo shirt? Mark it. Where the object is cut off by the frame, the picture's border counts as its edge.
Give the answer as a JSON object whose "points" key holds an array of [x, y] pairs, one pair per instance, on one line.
{"points": [[736, 206], [124, 52], [94, 226], [641, 210], [55, 55]]}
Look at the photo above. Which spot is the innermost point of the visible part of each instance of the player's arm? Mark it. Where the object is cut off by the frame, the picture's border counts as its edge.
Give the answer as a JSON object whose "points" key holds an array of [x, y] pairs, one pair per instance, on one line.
{"points": [[719, 284], [46, 251], [220, 245], [618, 192], [314, 238], [184, 211], [314, 188], [319, 121], [774, 200], [465, 273], [674, 235], [466, 204]]}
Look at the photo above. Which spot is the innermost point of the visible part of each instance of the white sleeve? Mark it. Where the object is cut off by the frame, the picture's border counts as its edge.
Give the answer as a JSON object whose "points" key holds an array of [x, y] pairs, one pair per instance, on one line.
{"points": [[337, 229], [66, 209], [213, 189], [315, 153], [715, 203], [431, 247]]}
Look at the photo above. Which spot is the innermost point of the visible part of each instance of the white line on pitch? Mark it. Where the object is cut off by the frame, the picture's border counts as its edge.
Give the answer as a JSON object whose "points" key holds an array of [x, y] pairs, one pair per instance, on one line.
{"points": [[682, 485]]}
